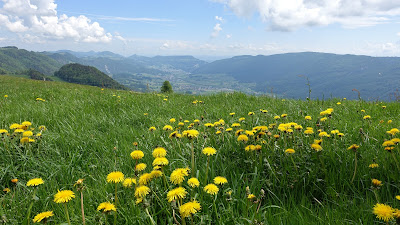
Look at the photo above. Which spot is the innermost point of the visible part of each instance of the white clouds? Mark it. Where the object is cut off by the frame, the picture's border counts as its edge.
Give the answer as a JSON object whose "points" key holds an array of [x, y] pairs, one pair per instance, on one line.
{"points": [[219, 18], [217, 28], [287, 15], [38, 19]]}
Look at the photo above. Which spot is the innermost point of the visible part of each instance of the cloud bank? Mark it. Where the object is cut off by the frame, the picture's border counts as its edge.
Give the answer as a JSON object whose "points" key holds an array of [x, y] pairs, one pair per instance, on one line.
{"points": [[38, 20], [287, 15]]}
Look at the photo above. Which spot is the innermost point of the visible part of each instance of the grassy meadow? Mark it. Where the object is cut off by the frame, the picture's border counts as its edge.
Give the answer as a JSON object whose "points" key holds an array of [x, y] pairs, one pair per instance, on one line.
{"points": [[277, 172]]}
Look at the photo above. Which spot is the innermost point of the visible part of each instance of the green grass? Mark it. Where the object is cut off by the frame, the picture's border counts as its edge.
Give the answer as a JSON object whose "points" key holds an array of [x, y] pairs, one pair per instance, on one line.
{"points": [[90, 134]]}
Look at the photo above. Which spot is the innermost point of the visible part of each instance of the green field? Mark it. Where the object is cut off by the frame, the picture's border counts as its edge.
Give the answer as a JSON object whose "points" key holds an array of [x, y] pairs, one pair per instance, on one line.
{"points": [[91, 132]]}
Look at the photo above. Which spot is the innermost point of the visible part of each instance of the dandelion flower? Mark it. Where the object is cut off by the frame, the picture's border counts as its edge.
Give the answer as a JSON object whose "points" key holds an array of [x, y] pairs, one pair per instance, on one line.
{"points": [[277, 117], [159, 152], [190, 134], [145, 178], [251, 196], [167, 128], [235, 124], [15, 180], [140, 167], [128, 182], [290, 151], [250, 113], [142, 191], [156, 173], [243, 138], [308, 132], [177, 193], [193, 182], [398, 197], [383, 212], [64, 196], [376, 183], [172, 120], [211, 189], [162, 161], [189, 208], [316, 147], [137, 154], [220, 180], [42, 216], [242, 119], [26, 123], [27, 134], [106, 207], [35, 182], [178, 175], [353, 147], [6, 190], [250, 148], [373, 165], [209, 151], [152, 128], [115, 177]]}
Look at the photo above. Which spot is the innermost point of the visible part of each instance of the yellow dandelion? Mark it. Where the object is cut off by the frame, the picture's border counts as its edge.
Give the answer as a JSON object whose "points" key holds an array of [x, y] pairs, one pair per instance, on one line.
{"points": [[137, 154], [383, 212], [6, 190], [172, 120], [220, 180], [316, 147], [367, 117], [290, 151], [159, 152], [26, 123], [353, 147], [209, 151], [189, 208], [211, 189], [145, 178], [64, 196], [250, 113], [128, 182], [235, 124], [193, 182], [156, 173], [190, 134], [167, 128], [251, 196], [115, 177], [34, 182], [162, 161], [152, 128], [178, 175], [376, 183], [177, 193], [15, 180], [250, 148], [106, 207], [243, 138], [42, 216], [373, 165], [242, 119], [142, 191], [140, 167]]}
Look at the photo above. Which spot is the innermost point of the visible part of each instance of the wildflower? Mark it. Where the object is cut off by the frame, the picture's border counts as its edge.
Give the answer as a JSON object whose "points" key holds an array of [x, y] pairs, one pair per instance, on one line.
{"points": [[323, 134], [277, 117], [249, 133], [161, 161], [290, 151], [251, 196], [316, 147], [152, 128], [172, 120], [250, 148], [284, 115], [220, 180], [106, 207], [5, 96], [211, 189], [178, 175], [128, 182], [323, 119], [250, 113], [14, 126], [35, 182], [42, 216], [6, 190], [242, 119], [383, 212], [338, 103], [340, 134], [145, 178], [159, 152], [308, 132], [42, 127], [232, 114], [190, 134], [142, 191], [389, 121], [115, 177], [167, 128], [229, 129], [376, 183], [243, 138], [140, 167], [64, 196], [177, 193], [155, 174], [15, 180], [26, 123], [398, 197], [235, 124], [396, 140], [367, 117], [193, 182], [216, 124], [384, 107], [387, 143], [137, 154], [27, 134], [276, 136], [189, 208], [353, 147], [209, 151], [264, 111], [3, 131], [373, 165], [393, 131]]}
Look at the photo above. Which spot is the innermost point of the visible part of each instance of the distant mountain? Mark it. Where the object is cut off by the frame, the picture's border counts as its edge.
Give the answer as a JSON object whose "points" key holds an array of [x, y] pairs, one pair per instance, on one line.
{"points": [[88, 75], [14, 60], [328, 74], [91, 54]]}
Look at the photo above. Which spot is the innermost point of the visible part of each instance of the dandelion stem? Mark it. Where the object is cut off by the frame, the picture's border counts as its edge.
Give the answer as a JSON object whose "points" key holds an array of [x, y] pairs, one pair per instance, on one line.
{"points": [[66, 213], [116, 202], [208, 162], [151, 218], [397, 162], [294, 164], [30, 206], [355, 166], [193, 170], [82, 209]]}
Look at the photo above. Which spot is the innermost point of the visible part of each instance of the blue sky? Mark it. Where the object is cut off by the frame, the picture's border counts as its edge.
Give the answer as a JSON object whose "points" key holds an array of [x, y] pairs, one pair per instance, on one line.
{"points": [[218, 28]]}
